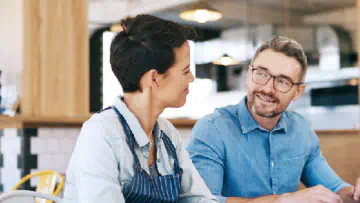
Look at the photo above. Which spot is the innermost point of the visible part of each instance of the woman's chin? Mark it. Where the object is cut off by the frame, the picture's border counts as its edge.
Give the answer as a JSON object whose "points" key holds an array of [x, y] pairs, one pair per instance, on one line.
{"points": [[178, 104]]}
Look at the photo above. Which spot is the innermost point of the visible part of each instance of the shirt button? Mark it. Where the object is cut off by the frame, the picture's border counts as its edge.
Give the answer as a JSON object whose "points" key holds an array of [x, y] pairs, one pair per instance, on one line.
{"points": [[272, 164], [158, 160]]}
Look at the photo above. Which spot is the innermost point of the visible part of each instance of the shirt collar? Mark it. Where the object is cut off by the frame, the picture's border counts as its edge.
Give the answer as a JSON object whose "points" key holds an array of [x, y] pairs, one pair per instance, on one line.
{"points": [[248, 123], [281, 125], [139, 134]]}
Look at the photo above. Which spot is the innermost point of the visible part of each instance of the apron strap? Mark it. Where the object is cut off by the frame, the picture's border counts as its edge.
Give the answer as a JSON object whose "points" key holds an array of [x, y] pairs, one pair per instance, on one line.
{"points": [[171, 149], [130, 140], [129, 137]]}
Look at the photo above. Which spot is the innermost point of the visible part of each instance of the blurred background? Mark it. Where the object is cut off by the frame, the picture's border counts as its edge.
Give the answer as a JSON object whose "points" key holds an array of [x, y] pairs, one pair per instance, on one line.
{"points": [[55, 71]]}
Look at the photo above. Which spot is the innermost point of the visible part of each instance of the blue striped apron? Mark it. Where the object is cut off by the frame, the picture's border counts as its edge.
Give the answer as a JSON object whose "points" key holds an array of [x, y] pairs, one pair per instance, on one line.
{"points": [[145, 188]]}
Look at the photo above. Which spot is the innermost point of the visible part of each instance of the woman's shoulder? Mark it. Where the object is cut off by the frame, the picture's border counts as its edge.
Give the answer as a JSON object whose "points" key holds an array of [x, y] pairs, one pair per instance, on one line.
{"points": [[105, 123]]}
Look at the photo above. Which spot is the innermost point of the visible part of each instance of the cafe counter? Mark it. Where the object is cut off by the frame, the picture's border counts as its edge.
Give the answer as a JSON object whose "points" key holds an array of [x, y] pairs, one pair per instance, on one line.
{"points": [[28, 144]]}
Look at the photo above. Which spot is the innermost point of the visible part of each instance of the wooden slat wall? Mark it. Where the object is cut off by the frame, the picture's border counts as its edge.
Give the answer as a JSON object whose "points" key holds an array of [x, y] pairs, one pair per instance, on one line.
{"points": [[342, 152], [56, 69]]}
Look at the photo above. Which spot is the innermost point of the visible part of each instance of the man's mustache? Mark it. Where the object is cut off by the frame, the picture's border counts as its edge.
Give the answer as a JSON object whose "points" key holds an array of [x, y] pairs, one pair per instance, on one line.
{"points": [[271, 96]]}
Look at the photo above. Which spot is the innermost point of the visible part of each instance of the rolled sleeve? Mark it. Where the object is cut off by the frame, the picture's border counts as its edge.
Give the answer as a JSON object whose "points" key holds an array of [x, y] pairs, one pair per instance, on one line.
{"points": [[193, 188], [97, 168], [318, 171], [207, 153]]}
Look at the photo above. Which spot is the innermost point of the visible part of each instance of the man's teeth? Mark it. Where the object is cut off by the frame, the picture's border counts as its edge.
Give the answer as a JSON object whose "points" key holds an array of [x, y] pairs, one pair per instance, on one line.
{"points": [[265, 99]]}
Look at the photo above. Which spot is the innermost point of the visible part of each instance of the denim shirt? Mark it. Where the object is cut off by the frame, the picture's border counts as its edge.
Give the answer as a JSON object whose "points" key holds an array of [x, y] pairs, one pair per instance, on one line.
{"points": [[237, 157], [101, 165]]}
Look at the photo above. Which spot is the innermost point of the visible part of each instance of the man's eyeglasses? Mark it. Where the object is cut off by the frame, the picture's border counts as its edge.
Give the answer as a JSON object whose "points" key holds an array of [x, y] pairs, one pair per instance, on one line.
{"points": [[281, 83]]}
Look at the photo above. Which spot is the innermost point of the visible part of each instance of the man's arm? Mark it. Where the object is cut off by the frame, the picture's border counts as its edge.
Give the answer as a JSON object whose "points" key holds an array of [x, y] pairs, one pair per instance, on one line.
{"points": [[193, 187], [207, 153], [317, 171], [317, 194]]}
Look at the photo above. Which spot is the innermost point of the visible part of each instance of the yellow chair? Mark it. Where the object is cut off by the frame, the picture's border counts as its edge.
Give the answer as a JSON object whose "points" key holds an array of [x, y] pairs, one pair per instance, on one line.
{"points": [[46, 184]]}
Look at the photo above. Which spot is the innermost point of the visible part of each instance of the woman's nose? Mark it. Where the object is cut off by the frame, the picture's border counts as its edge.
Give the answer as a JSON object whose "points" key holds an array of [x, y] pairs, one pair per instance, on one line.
{"points": [[192, 77]]}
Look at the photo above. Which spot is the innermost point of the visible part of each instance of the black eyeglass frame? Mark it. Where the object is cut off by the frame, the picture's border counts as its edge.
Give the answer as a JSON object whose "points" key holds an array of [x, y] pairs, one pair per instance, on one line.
{"points": [[272, 76]]}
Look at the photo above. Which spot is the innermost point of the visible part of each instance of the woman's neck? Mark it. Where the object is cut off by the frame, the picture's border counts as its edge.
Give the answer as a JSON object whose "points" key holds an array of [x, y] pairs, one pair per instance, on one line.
{"points": [[145, 110]]}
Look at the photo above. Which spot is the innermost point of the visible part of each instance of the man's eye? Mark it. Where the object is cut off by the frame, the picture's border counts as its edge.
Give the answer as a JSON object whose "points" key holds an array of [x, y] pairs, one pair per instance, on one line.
{"points": [[262, 74], [283, 82]]}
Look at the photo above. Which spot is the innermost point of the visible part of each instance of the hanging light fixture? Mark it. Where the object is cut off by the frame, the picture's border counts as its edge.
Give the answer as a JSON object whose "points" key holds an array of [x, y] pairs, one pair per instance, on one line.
{"points": [[226, 60], [201, 12]]}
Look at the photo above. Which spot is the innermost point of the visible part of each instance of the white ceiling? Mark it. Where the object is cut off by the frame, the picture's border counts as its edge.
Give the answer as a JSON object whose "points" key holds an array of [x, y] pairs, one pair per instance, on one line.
{"points": [[235, 12]]}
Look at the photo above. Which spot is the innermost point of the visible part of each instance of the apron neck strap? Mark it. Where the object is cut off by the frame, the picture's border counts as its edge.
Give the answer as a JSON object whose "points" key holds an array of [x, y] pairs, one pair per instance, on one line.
{"points": [[171, 149], [130, 140], [129, 136]]}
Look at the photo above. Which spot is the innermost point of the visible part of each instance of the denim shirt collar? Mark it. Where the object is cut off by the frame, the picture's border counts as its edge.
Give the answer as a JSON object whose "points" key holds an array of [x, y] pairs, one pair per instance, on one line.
{"points": [[248, 123], [139, 133]]}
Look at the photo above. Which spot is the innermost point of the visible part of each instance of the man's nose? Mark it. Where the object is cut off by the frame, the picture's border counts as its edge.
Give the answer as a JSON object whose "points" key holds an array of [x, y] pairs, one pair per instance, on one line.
{"points": [[269, 86]]}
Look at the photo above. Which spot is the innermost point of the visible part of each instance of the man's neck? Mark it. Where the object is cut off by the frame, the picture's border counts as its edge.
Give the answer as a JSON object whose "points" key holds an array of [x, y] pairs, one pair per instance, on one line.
{"points": [[147, 113], [267, 123]]}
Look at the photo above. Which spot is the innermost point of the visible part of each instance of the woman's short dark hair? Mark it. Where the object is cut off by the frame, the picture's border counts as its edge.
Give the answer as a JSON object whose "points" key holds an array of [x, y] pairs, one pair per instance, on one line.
{"points": [[146, 42]]}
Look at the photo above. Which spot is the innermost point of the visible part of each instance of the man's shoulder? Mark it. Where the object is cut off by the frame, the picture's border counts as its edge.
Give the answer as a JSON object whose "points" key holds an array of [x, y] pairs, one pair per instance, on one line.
{"points": [[220, 118], [299, 124], [297, 119]]}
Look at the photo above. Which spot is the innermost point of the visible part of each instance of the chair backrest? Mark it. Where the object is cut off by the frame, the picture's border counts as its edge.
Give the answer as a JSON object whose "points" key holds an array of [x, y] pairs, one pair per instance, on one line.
{"points": [[46, 184], [23, 196]]}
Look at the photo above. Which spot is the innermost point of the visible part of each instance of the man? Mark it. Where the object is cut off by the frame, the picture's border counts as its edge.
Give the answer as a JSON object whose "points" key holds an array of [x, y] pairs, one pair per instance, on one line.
{"points": [[256, 151]]}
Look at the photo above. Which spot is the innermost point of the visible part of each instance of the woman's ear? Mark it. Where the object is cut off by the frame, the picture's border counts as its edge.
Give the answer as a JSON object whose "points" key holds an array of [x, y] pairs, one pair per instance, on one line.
{"points": [[153, 78], [149, 79]]}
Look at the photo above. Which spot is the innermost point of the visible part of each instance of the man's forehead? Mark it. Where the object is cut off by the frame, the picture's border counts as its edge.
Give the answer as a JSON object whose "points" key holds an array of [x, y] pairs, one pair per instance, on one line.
{"points": [[278, 63]]}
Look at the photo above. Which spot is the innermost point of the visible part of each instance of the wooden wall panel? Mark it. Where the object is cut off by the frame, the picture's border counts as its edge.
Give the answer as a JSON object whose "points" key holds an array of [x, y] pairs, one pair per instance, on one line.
{"points": [[30, 102], [342, 152], [56, 69]]}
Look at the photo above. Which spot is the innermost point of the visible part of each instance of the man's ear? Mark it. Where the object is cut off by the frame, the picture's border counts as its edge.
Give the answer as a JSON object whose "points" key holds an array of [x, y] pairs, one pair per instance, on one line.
{"points": [[299, 91]]}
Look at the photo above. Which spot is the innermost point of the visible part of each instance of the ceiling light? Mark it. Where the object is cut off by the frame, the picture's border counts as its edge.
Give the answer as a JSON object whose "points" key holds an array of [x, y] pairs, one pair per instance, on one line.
{"points": [[201, 12], [226, 60]]}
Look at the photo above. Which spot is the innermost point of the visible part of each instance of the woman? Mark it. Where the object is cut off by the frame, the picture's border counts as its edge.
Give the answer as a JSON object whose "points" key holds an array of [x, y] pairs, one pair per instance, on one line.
{"points": [[127, 153]]}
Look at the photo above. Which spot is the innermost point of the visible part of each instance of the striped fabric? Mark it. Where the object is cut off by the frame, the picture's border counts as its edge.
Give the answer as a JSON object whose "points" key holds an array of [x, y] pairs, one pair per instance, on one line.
{"points": [[145, 188]]}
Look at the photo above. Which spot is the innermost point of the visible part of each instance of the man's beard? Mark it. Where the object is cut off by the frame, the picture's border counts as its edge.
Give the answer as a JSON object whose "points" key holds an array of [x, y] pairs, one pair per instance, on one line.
{"points": [[268, 115]]}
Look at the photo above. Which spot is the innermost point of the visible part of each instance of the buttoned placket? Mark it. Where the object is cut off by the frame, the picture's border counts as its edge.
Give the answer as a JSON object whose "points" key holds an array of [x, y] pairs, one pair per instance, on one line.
{"points": [[272, 165]]}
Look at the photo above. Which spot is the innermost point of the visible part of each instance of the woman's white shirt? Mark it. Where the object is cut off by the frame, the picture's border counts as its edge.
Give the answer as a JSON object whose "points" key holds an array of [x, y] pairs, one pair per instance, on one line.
{"points": [[102, 163]]}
